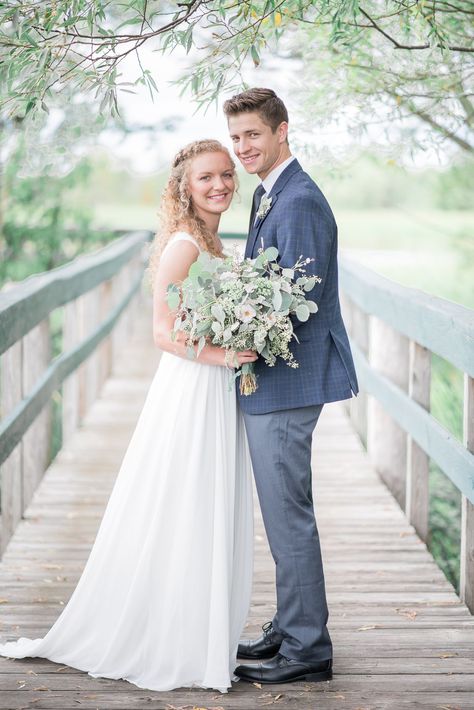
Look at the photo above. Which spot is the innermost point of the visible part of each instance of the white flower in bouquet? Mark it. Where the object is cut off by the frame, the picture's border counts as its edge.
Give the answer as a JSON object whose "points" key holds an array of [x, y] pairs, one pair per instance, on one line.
{"points": [[243, 304], [245, 312]]}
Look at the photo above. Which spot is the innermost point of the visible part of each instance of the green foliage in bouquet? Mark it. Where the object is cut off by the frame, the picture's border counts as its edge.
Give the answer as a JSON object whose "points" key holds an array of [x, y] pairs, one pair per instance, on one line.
{"points": [[243, 304]]}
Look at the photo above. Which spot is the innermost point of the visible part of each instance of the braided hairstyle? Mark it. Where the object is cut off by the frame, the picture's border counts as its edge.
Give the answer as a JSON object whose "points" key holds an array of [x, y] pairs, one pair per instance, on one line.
{"points": [[177, 211]]}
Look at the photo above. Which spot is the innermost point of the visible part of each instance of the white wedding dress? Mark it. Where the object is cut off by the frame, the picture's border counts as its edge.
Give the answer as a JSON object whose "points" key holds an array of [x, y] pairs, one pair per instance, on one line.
{"points": [[165, 592]]}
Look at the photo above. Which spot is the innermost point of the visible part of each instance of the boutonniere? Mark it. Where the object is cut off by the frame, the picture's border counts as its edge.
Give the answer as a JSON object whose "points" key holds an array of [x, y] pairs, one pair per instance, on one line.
{"points": [[264, 206]]}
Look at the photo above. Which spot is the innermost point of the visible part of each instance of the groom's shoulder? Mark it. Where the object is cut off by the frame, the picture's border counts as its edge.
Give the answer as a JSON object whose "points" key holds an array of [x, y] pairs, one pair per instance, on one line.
{"points": [[300, 186], [303, 192]]}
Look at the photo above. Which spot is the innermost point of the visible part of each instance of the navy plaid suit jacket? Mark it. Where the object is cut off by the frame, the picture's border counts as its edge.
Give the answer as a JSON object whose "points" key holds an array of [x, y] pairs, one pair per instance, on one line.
{"points": [[300, 222]]}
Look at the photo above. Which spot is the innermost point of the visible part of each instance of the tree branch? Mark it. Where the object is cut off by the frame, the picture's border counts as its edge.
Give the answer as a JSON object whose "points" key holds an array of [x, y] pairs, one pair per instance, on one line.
{"points": [[424, 116]]}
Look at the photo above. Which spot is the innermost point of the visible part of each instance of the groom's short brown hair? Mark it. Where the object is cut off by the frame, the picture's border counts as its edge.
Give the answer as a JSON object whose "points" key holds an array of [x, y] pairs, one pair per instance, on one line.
{"points": [[265, 102]]}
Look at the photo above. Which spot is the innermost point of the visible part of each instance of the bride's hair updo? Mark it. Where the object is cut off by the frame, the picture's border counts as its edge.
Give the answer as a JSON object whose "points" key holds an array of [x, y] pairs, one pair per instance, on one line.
{"points": [[177, 210]]}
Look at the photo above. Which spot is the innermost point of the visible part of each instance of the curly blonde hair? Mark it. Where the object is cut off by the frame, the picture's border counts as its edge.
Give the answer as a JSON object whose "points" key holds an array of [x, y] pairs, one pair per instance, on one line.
{"points": [[177, 209]]}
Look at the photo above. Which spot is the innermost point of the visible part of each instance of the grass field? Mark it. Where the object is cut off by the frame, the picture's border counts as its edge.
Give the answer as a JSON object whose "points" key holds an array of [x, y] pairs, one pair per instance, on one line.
{"points": [[433, 251]]}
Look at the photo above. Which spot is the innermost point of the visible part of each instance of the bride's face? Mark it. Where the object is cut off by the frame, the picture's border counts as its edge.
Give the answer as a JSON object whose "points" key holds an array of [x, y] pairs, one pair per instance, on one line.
{"points": [[211, 182]]}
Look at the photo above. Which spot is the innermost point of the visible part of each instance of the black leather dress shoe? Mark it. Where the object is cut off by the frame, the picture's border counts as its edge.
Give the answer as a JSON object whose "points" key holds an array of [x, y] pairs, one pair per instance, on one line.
{"points": [[264, 647], [284, 670]]}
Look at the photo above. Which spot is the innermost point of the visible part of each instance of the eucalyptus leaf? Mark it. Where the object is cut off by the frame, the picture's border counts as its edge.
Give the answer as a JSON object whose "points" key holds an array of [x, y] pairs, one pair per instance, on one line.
{"points": [[203, 327], [195, 269], [271, 253], [277, 300], [201, 344], [302, 312], [218, 312], [172, 298]]}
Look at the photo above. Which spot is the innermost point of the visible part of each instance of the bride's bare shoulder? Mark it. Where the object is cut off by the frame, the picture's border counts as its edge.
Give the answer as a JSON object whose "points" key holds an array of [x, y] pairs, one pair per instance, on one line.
{"points": [[180, 251]]}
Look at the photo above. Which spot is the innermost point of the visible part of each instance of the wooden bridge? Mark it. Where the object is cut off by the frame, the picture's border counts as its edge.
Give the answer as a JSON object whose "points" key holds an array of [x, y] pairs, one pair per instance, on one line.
{"points": [[402, 636]]}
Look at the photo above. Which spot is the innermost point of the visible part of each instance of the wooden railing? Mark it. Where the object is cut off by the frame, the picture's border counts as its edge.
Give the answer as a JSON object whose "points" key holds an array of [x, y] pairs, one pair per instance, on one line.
{"points": [[393, 331], [94, 297]]}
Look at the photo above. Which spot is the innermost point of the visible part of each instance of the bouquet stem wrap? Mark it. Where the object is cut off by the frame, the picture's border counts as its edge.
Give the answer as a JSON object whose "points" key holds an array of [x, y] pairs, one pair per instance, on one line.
{"points": [[248, 380]]}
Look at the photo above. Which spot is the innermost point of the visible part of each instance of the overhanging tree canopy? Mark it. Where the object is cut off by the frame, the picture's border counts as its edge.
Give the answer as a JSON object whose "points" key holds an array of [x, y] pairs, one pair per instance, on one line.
{"points": [[46, 46]]}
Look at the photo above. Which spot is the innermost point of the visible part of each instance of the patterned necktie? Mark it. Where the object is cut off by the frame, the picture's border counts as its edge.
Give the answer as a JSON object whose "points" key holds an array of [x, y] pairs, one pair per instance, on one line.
{"points": [[257, 196]]}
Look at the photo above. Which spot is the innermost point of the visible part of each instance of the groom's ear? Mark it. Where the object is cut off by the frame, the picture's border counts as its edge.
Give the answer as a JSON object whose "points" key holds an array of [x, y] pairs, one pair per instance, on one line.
{"points": [[282, 131]]}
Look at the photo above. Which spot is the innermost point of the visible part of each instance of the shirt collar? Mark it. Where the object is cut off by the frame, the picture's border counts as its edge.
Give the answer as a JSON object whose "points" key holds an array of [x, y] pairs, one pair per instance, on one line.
{"points": [[273, 176]]}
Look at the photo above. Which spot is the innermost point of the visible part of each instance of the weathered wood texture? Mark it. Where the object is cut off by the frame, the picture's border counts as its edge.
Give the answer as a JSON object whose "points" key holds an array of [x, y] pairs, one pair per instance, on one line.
{"points": [[418, 462], [386, 440], [467, 508], [402, 638], [393, 363]]}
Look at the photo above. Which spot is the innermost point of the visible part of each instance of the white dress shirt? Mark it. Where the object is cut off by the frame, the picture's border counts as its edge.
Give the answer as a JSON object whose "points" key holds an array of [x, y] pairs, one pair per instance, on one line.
{"points": [[273, 176]]}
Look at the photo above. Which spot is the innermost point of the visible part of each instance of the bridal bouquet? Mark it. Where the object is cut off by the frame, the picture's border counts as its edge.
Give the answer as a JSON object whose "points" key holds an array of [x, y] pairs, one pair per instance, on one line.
{"points": [[243, 304]]}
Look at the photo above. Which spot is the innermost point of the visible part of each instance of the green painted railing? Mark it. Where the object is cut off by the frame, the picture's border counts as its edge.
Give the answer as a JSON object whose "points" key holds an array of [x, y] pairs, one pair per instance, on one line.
{"points": [[97, 291], [394, 330]]}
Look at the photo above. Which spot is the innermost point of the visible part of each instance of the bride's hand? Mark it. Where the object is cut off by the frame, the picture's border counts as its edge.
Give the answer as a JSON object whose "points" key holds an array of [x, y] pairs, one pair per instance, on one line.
{"points": [[237, 358]]}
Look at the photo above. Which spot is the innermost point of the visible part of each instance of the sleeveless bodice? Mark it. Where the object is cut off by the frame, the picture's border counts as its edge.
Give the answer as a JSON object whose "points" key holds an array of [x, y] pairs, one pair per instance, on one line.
{"points": [[181, 237]]}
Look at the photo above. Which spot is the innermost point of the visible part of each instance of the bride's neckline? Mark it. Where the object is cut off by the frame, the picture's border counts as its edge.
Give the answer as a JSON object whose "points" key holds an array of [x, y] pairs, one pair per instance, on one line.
{"points": [[189, 234]]}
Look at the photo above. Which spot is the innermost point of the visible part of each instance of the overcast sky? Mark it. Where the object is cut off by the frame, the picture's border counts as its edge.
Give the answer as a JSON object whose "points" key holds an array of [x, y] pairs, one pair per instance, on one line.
{"points": [[143, 155]]}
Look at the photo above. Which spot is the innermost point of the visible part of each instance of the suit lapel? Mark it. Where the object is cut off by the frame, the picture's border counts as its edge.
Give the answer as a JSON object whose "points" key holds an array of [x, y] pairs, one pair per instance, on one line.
{"points": [[286, 175]]}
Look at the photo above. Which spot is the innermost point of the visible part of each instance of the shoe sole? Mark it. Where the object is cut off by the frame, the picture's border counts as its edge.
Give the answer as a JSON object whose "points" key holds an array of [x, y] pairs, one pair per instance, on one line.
{"points": [[256, 658], [308, 677]]}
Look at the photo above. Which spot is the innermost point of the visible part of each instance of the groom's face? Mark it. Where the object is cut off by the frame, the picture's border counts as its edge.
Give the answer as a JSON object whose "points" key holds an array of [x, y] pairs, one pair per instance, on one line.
{"points": [[258, 148]]}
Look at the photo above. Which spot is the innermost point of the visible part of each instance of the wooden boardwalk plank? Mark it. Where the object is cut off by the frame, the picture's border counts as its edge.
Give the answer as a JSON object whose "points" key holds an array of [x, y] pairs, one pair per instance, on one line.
{"points": [[402, 638]]}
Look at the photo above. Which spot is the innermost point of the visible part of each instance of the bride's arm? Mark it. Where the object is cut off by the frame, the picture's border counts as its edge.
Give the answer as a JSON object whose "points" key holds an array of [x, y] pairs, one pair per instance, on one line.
{"points": [[173, 268]]}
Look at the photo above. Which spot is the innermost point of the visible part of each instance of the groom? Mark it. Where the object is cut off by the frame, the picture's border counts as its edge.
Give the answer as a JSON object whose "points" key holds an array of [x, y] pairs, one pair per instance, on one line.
{"points": [[281, 415]]}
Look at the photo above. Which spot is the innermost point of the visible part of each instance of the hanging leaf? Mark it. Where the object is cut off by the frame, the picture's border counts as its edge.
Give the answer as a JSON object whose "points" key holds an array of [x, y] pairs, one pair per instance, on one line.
{"points": [[254, 54]]}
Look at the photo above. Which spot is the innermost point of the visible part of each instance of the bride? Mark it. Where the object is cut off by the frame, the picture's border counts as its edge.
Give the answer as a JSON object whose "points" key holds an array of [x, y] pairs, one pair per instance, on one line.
{"points": [[165, 591]]}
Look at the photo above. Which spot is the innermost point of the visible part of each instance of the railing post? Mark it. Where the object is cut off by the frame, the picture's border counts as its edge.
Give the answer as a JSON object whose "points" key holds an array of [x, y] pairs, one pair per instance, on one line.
{"points": [[37, 440], [105, 349], [357, 327], [359, 404], [386, 441], [11, 471], [417, 479], [89, 313], [119, 335], [467, 508], [70, 387]]}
